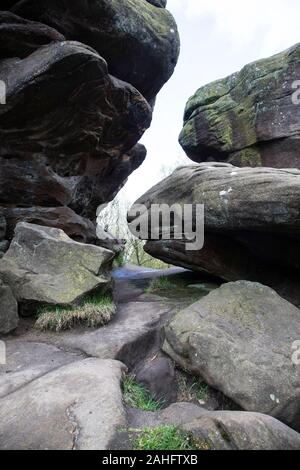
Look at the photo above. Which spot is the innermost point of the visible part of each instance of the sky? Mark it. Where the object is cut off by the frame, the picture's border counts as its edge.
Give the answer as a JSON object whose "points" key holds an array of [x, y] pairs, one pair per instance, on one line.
{"points": [[218, 37]]}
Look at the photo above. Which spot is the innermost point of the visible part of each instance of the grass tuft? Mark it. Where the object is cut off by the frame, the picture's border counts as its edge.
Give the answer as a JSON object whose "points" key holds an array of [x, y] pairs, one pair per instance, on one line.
{"points": [[95, 312], [160, 284], [137, 396], [163, 438]]}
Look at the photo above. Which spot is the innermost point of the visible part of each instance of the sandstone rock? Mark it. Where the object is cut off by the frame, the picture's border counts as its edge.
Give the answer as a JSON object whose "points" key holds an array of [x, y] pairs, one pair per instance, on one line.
{"points": [[239, 339], [131, 336], [138, 40], [76, 227], [69, 130], [2, 227], [248, 118], [251, 223], [68, 151], [228, 430], [77, 406], [20, 37], [9, 318], [44, 266], [29, 360], [157, 374], [158, 3]]}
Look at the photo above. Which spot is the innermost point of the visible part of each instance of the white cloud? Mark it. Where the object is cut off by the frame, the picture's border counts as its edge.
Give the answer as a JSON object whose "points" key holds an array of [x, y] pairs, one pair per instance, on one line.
{"points": [[276, 22]]}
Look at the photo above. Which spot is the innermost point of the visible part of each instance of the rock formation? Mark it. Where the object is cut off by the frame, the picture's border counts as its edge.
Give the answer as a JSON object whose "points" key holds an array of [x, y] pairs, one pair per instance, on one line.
{"points": [[225, 430], [248, 118], [75, 111], [43, 266], [251, 223], [239, 339]]}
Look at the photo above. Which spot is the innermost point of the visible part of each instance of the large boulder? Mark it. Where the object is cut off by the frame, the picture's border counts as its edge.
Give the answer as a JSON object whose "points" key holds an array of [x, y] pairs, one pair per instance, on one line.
{"points": [[252, 223], [67, 145], [239, 339], [20, 37], [74, 407], [69, 129], [9, 318], [138, 40], [228, 430], [248, 118], [44, 266]]}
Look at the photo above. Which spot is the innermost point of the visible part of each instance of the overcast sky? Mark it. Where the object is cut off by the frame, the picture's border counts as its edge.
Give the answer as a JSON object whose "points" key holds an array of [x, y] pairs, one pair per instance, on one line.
{"points": [[218, 37]]}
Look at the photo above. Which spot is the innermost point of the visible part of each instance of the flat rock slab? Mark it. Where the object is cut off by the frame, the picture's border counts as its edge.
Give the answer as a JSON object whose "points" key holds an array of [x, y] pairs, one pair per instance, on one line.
{"points": [[78, 406], [129, 337], [228, 430], [27, 361], [239, 339]]}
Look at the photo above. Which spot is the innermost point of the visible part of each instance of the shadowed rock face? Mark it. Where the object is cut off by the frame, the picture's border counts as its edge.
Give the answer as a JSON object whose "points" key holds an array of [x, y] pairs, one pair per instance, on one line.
{"points": [[66, 144], [252, 223], [137, 39], [248, 118], [69, 128], [20, 37]]}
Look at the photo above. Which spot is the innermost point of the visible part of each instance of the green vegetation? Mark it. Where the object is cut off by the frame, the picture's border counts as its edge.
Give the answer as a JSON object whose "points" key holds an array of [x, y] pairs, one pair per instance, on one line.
{"points": [[96, 311], [191, 389], [163, 438], [120, 260], [160, 284], [137, 396]]}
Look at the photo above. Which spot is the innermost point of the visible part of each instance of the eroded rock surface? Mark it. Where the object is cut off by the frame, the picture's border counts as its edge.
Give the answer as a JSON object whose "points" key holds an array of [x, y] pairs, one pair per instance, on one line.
{"points": [[248, 118], [75, 407], [44, 266], [138, 40], [74, 110], [9, 318], [239, 339], [251, 223], [227, 430]]}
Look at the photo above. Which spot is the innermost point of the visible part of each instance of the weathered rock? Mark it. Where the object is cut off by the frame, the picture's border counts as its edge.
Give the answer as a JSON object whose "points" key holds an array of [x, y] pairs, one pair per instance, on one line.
{"points": [[248, 118], [2, 227], [44, 266], [76, 227], [77, 406], [9, 318], [29, 360], [252, 221], [138, 40], [239, 339], [68, 152], [20, 37], [69, 129], [131, 336], [177, 414], [157, 374], [228, 430], [158, 3]]}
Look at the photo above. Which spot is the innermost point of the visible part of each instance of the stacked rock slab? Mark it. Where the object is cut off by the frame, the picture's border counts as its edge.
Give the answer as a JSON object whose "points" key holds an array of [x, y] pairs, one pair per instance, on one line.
{"points": [[251, 118], [252, 223], [74, 110]]}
